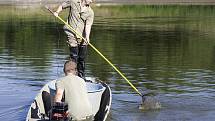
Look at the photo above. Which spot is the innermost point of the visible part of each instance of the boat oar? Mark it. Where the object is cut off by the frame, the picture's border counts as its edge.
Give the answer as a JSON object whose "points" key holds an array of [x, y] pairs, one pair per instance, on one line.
{"points": [[94, 48]]}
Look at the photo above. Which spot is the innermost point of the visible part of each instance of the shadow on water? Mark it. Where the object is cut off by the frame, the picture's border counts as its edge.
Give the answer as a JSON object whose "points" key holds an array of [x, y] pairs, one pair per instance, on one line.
{"points": [[168, 50]]}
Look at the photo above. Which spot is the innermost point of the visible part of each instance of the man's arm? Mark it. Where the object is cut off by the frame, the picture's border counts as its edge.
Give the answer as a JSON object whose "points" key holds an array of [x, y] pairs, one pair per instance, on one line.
{"points": [[59, 95], [89, 23], [87, 32], [59, 9], [64, 5]]}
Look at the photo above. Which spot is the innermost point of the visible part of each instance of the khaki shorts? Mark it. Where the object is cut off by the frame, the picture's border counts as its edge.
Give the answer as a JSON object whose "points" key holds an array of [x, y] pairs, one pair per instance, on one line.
{"points": [[73, 41]]}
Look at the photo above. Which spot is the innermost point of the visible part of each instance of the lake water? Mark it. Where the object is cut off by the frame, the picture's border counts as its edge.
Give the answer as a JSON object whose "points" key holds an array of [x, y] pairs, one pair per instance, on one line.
{"points": [[166, 50]]}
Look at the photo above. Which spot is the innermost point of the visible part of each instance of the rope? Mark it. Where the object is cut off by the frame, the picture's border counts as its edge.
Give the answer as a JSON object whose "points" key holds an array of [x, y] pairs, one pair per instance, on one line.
{"points": [[109, 62], [58, 46]]}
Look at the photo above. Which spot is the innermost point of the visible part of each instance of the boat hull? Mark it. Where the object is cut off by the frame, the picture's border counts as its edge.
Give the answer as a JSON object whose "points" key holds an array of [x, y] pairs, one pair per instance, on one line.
{"points": [[99, 94]]}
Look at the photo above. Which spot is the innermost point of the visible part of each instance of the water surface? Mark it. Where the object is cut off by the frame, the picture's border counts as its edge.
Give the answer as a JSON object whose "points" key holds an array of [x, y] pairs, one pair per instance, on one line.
{"points": [[168, 50]]}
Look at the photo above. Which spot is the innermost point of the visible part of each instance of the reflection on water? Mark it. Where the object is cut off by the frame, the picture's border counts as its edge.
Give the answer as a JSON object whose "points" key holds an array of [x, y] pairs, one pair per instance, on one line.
{"points": [[165, 49]]}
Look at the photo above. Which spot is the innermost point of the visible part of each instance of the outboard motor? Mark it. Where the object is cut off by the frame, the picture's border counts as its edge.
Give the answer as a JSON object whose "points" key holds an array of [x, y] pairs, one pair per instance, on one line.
{"points": [[59, 112]]}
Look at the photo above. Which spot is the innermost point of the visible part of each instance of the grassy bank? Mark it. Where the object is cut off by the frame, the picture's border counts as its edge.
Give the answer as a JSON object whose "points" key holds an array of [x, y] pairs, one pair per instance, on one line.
{"points": [[115, 11], [113, 2]]}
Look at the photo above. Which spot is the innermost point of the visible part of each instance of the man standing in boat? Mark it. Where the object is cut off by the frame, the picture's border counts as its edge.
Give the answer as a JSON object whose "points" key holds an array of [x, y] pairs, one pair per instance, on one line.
{"points": [[80, 18], [75, 90]]}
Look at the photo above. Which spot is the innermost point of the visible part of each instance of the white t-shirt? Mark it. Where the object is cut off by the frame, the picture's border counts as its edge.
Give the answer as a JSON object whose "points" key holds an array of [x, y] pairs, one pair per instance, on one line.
{"points": [[76, 96]]}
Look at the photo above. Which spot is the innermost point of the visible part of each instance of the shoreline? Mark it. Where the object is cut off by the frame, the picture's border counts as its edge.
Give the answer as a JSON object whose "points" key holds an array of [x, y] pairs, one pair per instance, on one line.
{"points": [[156, 2], [115, 2]]}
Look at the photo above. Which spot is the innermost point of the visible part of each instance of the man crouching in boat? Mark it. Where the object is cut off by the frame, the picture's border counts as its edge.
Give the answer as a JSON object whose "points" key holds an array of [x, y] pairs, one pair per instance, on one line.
{"points": [[74, 88]]}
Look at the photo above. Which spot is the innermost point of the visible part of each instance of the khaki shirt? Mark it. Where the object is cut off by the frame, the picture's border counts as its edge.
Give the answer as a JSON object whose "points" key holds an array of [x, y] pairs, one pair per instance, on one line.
{"points": [[78, 16], [76, 96]]}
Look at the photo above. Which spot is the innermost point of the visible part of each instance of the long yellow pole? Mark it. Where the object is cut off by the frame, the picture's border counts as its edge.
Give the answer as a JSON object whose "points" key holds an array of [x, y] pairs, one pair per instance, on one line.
{"points": [[120, 73]]}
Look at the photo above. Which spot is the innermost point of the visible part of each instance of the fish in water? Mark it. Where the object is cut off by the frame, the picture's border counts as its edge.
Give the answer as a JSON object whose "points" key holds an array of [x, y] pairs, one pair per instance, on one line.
{"points": [[150, 103]]}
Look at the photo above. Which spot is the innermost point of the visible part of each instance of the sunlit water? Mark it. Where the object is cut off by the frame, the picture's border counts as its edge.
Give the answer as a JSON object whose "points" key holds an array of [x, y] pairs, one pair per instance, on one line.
{"points": [[166, 50]]}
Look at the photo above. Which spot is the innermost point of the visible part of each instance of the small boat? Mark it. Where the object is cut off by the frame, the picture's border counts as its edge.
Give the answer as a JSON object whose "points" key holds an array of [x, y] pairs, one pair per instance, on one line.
{"points": [[99, 94]]}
